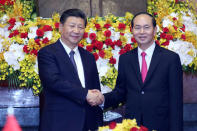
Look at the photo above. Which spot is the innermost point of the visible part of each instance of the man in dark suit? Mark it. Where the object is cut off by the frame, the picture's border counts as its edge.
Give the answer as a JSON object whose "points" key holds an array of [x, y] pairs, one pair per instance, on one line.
{"points": [[149, 81], [69, 74]]}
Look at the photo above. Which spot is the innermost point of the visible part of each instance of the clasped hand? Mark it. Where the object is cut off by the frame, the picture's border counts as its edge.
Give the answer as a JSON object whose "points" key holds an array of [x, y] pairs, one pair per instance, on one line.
{"points": [[94, 97]]}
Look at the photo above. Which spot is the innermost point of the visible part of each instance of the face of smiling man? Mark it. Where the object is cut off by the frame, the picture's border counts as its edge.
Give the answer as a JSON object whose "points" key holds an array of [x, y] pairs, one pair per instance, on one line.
{"points": [[143, 31], [72, 31]]}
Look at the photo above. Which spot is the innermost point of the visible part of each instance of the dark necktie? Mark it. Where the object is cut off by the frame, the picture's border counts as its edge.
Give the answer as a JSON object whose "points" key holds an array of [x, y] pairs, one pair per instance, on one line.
{"points": [[72, 59]]}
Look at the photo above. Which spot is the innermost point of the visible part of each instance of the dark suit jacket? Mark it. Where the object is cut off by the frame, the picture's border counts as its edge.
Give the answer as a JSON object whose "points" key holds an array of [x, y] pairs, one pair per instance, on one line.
{"points": [[65, 106], [158, 102]]}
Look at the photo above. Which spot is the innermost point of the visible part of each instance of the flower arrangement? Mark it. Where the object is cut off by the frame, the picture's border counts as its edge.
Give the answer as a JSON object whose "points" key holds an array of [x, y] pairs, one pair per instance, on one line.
{"points": [[105, 37], [126, 125], [177, 29], [20, 40]]}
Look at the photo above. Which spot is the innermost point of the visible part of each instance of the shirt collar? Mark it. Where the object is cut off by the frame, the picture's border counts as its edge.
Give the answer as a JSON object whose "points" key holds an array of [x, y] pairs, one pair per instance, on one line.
{"points": [[68, 50], [148, 51]]}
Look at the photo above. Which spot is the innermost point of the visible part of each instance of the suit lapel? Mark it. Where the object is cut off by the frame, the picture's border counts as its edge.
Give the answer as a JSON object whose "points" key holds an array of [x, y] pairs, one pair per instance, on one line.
{"points": [[136, 66], [61, 53], [85, 64], [154, 62]]}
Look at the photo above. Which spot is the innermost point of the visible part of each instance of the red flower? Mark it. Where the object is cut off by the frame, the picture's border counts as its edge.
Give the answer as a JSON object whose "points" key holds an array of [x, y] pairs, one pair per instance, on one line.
{"points": [[183, 28], [37, 41], [176, 1], [96, 56], [107, 26], [183, 37], [134, 129], [165, 30], [45, 40], [112, 125], [98, 27], [127, 47], [112, 60], [47, 28], [15, 32], [25, 49], [108, 42], [166, 43], [24, 35], [133, 40], [122, 51], [92, 36], [155, 13], [163, 35], [40, 32], [85, 35], [21, 19], [169, 37], [98, 45], [175, 27], [57, 25], [34, 51], [101, 53], [157, 42], [107, 33], [174, 18], [121, 26], [11, 35], [121, 33], [80, 45], [89, 48], [2, 2], [10, 27], [12, 21], [143, 128], [118, 43]]}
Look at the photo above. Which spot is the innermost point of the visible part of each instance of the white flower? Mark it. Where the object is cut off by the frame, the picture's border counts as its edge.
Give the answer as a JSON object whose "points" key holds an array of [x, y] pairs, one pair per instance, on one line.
{"points": [[4, 19], [17, 25], [128, 36], [189, 22], [186, 51], [1, 46], [167, 22], [173, 14], [102, 66], [32, 32], [48, 34], [116, 55], [114, 35], [14, 55], [4, 32]]}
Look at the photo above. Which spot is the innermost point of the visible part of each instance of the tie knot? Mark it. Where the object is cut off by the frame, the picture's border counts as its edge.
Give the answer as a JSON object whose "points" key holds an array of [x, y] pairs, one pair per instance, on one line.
{"points": [[143, 54], [71, 53]]}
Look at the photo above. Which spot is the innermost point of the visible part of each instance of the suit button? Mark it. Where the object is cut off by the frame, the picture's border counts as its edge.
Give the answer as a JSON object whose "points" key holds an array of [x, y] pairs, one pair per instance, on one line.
{"points": [[142, 92]]}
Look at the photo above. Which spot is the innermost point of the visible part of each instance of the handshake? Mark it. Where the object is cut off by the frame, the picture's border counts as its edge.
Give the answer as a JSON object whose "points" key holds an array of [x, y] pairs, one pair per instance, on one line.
{"points": [[94, 97]]}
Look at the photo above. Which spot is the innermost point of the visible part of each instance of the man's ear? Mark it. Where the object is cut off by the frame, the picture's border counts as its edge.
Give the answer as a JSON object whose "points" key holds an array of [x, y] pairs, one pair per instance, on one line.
{"points": [[61, 26], [155, 30]]}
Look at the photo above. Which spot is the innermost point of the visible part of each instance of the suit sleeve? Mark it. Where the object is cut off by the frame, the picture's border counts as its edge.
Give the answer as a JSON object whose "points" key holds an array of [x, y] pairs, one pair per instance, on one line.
{"points": [[118, 95], [176, 95], [51, 78]]}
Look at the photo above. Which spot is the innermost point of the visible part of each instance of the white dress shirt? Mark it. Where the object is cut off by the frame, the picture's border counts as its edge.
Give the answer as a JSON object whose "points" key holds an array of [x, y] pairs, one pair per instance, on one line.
{"points": [[148, 57], [78, 62]]}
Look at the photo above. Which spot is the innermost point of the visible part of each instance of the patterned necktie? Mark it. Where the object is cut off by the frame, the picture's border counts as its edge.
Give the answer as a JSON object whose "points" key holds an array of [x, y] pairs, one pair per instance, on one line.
{"points": [[72, 59], [144, 66]]}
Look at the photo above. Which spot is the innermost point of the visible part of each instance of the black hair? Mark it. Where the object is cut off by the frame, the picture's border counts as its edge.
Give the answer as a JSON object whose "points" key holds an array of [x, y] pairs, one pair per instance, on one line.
{"points": [[73, 12], [145, 13]]}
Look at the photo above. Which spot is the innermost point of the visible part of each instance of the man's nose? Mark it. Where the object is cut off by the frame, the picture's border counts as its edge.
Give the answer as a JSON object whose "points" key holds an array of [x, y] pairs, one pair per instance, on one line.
{"points": [[76, 30]]}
